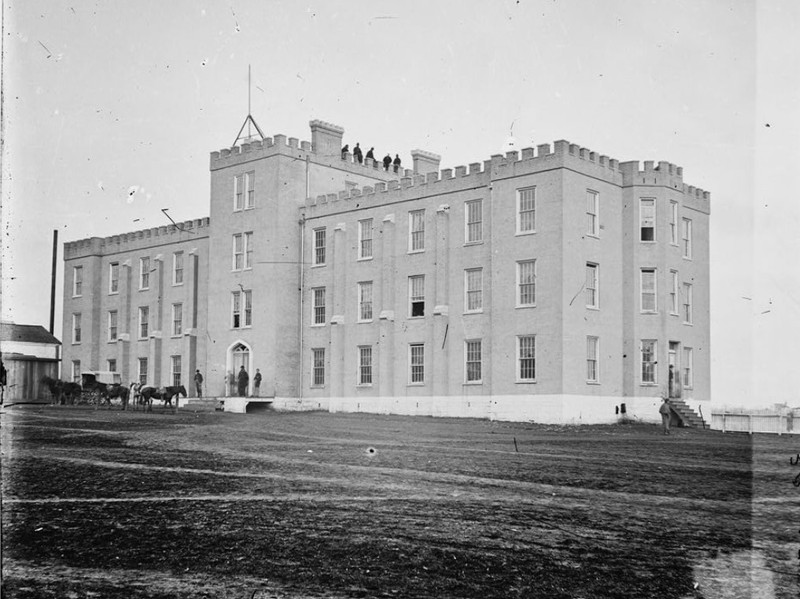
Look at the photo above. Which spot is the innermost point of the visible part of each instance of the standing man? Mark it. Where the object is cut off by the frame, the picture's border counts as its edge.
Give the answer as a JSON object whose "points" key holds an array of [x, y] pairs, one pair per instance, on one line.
{"points": [[242, 381], [387, 162], [396, 162], [666, 414], [257, 381], [198, 383]]}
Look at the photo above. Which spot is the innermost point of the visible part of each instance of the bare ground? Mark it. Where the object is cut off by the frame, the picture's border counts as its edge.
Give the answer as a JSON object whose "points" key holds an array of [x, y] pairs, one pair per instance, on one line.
{"points": [[315, 505]]}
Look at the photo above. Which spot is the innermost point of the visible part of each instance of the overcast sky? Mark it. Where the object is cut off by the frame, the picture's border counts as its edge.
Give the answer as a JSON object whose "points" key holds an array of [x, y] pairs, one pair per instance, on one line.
{"points": [[102, 99]]}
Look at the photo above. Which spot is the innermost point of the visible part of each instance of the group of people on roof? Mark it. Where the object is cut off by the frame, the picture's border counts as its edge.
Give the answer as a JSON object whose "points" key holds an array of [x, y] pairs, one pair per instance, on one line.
{"points": [[359, 156]]}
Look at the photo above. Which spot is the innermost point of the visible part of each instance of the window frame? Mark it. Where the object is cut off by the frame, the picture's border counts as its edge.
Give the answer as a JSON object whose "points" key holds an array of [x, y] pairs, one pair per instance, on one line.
{"points": [[144, 273], [687, 312], [317, 367], [653, 363], [244, 299], [77, 281], [142, 373], [642, 218], [521, 366], [76, 371], [112, 321], [317, 292], [467, 361], [673, 222], [416, 364], [365, 378], [365, 249], [113, 278], [520, 212], [416, 236], [250, 190], [177, 268], [592, 359], [473, 226], [519, 284], [111, 364], [173, 360], [143, 323], [76, 328], [318, 256], [686, 238], [687, 368], [476, 292], [177, 319], [593, 290], [642, 291], [416, 299], [365, 304], [674, 308], [593, 213]]}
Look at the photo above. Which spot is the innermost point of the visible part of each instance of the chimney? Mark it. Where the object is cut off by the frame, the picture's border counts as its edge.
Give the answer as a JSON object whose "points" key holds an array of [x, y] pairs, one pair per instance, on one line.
{"points": [[425, 162], [326, 138]]}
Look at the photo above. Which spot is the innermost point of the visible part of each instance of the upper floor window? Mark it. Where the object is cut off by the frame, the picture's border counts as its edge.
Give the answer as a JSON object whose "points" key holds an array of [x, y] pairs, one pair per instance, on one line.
{"points": [[319, 247], [144, 273], [242, 309], [687, 238], [112, 325], [592, 359], [177, 268], [473, 215], [592, 212], [649, 361], [648, 290], [76, 327], [673, 292], [243, 251], [673, 223], [177, 320], [365, 239], [318, 305], [526, 283], [416, 363], [111, 365], [77, 281], [176, 370], [244, 191], [113, 277], [592, 280], [526, 210], [365, 365], [473, 286], [526, 358], [365, 301], [687, 367], [144, 318], [416, 231], [416, 295], [687, 303], [473, 361], [647, 219]]}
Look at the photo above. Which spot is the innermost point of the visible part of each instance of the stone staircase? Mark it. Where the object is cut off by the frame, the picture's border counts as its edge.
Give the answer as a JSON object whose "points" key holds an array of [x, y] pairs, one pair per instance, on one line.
{"points": [[686, 415], [201, 405]]}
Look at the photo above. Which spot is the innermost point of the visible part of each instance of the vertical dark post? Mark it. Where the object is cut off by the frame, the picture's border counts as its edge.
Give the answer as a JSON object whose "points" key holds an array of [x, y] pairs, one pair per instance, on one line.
{"points": [[53, 281]]}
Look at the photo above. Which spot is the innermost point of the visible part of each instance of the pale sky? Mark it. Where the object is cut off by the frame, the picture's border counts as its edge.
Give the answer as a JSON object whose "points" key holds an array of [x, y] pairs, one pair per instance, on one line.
{"points": [[105, 98]]}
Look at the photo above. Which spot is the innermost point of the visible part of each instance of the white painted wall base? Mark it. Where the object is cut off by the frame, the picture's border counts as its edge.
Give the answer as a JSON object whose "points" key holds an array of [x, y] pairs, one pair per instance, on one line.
{"points": [[544, 409], [238, 405]]}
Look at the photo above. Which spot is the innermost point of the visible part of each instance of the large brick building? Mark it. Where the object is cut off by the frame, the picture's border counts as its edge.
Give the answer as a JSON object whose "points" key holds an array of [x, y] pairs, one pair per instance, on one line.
{"points": [[551, 284]]}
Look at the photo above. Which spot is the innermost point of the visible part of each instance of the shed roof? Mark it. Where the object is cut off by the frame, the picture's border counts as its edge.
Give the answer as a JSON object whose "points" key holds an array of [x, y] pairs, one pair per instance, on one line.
{"points": [[26, 333]]}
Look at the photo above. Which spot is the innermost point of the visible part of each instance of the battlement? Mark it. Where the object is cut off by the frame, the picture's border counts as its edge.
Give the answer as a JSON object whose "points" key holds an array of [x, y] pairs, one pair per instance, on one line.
{"points": [[664, 174], [100, 246]]}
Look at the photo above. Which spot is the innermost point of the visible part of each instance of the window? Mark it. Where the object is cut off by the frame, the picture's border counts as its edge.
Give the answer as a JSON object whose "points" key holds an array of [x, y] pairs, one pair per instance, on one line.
{"points": [[526, 210], [526, 358], [687, 238], [592, 279], [177, 268], [673, 293], [472, 349], [76, 371], [416, 231], [242, 309], [687, 367], [144, 315], [526, 283], [244, 191], [592, 370], [177, 320], [365, 301], [648, 362], [143, 371], [473, 284], [416, 362], [77, 281], [592, 209], [318, 305], [111, 365], [176, 370], [416, 293], [364, 364], [647, 219], [243, 251], [76, 327], [112, 325], [673, 223], [318, 375], [365, 239], [648, 289], [687, 303], [144, 273], [319, 247], [113, 277], [473, 215]]}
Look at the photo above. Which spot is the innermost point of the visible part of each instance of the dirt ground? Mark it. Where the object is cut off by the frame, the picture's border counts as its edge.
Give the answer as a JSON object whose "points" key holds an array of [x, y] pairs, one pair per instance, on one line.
{"points": [[113, 504]]}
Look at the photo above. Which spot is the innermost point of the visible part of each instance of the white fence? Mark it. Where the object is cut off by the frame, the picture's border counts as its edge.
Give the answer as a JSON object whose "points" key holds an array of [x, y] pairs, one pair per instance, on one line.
{"points": [[755, 423]]}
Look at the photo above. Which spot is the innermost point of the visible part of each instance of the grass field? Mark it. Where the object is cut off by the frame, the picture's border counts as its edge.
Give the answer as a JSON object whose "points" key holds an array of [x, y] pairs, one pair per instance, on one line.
{"points": [[109, 504]]}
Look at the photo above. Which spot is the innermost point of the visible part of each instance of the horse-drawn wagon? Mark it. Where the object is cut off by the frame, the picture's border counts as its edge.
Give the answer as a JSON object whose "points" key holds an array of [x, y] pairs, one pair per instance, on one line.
{"points": [[105, 385]]}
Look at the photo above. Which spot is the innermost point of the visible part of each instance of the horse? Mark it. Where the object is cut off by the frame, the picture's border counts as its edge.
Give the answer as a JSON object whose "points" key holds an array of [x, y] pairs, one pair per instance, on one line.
{"points": [[62, 390], [116, 390], [166, 394]]}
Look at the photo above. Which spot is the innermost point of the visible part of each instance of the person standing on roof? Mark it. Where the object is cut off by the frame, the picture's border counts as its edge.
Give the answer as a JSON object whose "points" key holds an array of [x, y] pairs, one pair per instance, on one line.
{"points": [[345, 150], [396, 162], [371, 154], [357, 153], [387, 160]]}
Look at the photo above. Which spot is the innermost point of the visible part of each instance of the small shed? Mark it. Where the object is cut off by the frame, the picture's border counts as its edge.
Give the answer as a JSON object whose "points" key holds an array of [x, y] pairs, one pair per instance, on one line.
{"points": [[28, 353]]}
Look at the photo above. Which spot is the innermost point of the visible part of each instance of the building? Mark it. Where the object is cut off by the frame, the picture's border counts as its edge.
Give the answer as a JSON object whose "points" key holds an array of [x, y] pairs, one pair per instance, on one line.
{"points": [[552, 285], [29, 353]]}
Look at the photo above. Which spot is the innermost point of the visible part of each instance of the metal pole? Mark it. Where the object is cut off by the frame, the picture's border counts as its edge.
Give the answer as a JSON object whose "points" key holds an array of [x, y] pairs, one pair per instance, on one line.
{"points": [[53, 281]]}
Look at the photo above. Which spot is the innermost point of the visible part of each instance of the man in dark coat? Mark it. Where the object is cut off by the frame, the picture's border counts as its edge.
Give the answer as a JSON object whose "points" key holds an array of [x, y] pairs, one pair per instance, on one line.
{"points": [[242, 380], [666, 415], [371, 153], [257, 382], [358, 155], [198, 383], [396, 162], [345, 150], [387, 160]]}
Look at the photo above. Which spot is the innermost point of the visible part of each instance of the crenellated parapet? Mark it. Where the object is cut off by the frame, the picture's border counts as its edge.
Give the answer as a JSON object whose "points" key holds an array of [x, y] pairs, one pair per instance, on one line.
{"points": [[135, 240], [665, 174]]}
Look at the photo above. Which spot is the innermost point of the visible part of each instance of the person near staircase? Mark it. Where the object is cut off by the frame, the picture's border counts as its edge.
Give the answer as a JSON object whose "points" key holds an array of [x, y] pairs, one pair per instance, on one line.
{"points": [[666, 414]]}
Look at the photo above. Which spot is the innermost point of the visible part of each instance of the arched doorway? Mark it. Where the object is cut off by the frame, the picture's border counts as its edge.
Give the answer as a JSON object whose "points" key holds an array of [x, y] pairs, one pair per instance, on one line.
{"points": [[239, 355]]}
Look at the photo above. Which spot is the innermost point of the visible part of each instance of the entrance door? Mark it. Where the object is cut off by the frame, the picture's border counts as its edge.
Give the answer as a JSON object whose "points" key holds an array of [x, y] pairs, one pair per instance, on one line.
{"points": [[241, 357], [674, 370]]}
